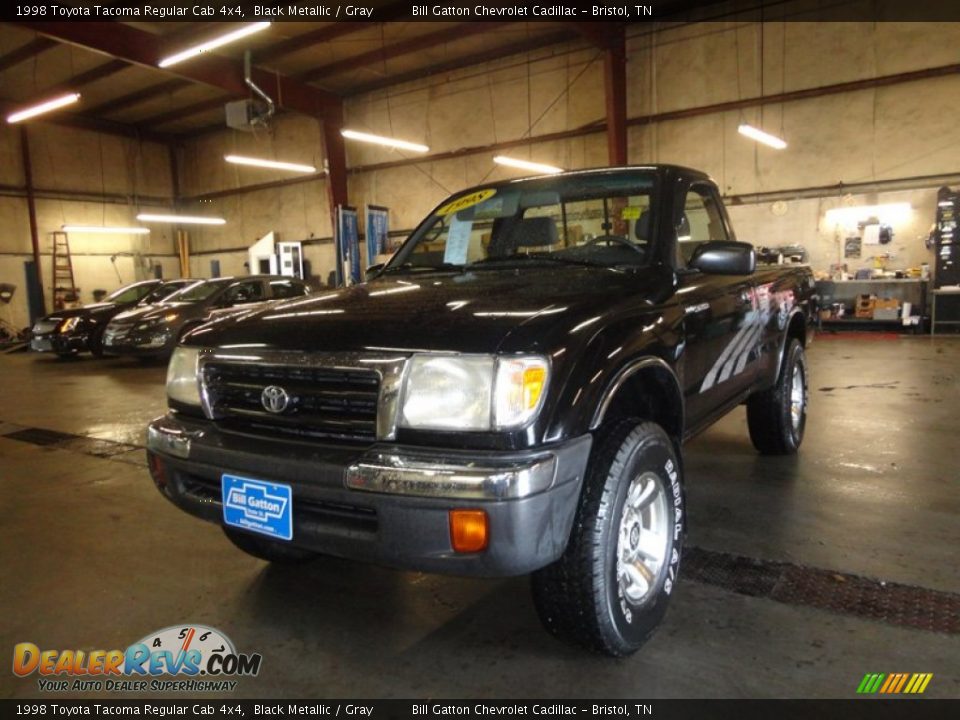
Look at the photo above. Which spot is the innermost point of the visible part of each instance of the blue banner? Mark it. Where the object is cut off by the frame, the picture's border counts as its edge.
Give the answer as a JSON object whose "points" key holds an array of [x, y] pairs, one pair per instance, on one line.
{"points": [[377, 233], [348, 246]]}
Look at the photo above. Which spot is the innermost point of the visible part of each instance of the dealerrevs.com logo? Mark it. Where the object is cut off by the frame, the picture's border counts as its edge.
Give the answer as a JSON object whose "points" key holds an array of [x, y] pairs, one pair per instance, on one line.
{"points": [[201, 658]]}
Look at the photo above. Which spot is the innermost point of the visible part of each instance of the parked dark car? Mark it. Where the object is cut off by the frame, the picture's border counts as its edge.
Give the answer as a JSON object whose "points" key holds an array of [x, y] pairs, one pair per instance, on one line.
{"points": [[509, 394], [154, 330], [68, 332]]}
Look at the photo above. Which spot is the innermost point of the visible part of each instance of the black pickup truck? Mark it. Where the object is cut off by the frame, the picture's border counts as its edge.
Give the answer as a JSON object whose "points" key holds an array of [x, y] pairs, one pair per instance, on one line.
{"points": [[508, 395]]}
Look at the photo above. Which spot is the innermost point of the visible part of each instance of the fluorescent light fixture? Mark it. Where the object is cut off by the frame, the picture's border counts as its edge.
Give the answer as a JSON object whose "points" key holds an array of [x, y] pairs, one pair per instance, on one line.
{"points": [[220, 41], [44, 107], [888, 214], [273, 164], [761, 137], [527, 165], [380, 140], [111, 229], [181, 219]]}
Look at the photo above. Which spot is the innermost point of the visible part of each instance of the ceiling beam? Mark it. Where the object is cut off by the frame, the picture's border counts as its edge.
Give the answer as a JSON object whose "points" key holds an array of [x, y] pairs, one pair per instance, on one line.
{"points": [[404, 47], [137, 96], [186, 111], [327, 33], [478, 58], [94, 74], [25, 52], [143, 48]]}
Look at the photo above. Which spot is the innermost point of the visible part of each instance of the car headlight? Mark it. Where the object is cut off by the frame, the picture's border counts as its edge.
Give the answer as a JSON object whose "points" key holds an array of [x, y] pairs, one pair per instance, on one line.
{"points": [[68, 325], [472, 392], [183, 383]]}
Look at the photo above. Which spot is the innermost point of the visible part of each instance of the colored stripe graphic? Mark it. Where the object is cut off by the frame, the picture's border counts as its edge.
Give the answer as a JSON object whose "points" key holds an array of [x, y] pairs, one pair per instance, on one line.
{"points": [[894, 683]]}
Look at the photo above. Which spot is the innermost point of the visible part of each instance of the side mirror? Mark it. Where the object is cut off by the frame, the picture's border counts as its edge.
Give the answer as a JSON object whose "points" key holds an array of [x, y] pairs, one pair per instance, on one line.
{"points": [[373, 271], [724, 257]]}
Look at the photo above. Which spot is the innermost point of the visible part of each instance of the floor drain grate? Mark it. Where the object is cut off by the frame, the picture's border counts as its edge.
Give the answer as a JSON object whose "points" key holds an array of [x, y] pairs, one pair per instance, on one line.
{"points": [[891, 603]]}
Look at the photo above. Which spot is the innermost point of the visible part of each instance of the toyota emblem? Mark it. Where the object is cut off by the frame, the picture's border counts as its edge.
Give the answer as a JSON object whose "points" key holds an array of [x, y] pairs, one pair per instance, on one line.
{"points": [[274, 399]]}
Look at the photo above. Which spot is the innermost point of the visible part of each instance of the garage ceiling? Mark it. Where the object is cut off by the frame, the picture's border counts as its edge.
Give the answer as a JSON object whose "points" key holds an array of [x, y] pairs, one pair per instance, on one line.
{"points": [[123, 91]]}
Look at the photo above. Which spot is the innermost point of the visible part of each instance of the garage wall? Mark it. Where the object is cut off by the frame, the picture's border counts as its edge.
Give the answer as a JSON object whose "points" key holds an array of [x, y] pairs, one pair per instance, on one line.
{"points": [[115, 173], [864, 136], [868, 136]]}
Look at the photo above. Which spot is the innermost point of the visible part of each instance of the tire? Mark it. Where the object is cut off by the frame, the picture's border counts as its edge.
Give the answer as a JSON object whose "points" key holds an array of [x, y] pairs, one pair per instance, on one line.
{"points": [[263, 548], [96, 344], [777, 417], [588, 597]]}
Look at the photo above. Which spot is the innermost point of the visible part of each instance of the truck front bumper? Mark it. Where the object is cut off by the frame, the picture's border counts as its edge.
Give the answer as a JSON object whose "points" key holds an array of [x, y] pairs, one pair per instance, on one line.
{"points": [[387, 503]]}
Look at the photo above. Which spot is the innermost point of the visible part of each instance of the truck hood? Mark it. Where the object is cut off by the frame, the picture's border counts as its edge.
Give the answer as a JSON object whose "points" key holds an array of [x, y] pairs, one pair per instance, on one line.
{"points": [[472, 311]]}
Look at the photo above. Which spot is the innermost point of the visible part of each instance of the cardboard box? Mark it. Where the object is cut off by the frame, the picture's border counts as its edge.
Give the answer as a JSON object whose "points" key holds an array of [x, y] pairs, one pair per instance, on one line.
{"points": [[863, 308], [885, 304]]}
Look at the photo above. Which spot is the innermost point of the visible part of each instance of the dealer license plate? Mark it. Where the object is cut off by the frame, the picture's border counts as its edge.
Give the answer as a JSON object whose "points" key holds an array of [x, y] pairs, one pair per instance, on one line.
{"points": [[258, 506]]}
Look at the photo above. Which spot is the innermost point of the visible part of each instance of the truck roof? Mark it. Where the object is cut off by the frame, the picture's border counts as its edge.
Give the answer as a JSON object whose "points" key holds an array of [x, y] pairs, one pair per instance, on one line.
{"points": [[659, 168]]}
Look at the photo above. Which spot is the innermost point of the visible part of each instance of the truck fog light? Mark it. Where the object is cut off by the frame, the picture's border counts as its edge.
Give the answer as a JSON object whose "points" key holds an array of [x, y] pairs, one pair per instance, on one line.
{"points": [[469, 530]]}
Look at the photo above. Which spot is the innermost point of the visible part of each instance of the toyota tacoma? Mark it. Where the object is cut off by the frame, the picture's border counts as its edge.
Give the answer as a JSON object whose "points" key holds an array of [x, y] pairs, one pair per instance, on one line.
{"points": [[509, 394]]}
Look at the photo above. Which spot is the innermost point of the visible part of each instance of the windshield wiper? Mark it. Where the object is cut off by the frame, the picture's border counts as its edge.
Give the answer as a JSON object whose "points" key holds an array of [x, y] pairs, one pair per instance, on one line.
{"points": [[525, 257]]}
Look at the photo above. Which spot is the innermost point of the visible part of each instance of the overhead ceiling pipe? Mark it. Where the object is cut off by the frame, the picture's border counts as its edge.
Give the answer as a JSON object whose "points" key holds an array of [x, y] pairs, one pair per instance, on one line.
{"points": [[248, 79]]}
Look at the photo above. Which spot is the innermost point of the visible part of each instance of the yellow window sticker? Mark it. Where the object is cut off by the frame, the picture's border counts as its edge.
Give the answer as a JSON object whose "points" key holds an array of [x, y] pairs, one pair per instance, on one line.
{"points": [[462, 203], [631, 212]]}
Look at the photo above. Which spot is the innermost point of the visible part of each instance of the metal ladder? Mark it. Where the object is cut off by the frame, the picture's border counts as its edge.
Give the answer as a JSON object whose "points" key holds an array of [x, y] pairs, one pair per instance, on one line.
{"points": [[64, 286]]}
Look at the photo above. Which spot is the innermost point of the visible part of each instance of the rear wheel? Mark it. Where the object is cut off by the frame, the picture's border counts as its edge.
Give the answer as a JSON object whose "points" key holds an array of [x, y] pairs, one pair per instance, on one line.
{"points": [[263, 548], [777, 417], [610, 589]]}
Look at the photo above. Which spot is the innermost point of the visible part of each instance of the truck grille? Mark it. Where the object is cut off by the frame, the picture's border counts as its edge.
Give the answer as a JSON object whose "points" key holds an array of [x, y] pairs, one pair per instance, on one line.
{"points": [[323, 402]]}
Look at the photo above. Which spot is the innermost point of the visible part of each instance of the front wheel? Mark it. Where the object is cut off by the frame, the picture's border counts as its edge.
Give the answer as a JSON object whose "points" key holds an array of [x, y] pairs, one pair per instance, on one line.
{"points": [[777, 417], [262, 548], [610, 589]]}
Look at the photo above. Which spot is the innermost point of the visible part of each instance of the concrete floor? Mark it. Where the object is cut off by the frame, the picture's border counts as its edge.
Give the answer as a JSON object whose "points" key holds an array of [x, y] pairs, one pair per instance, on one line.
{"points": [[93, 557]]}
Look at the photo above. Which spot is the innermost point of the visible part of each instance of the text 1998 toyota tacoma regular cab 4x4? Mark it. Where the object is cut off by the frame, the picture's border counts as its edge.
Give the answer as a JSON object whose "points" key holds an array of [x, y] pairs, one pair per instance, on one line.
{"points": [[508, 395]]}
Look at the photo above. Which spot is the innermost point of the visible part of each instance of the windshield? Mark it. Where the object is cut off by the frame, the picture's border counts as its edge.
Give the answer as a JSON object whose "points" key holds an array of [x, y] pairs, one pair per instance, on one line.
{"points": [[597, 219], [198, 292], [129, 293], [161, 291]]}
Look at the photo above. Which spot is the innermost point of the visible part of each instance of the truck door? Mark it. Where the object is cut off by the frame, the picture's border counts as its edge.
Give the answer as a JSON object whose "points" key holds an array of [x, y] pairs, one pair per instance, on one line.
{"points": [[721, 318]]}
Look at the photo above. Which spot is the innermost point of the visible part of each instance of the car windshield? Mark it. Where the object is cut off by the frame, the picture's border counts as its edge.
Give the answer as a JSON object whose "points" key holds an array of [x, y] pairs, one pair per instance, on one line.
{"points": [[161, 291], [129, 293], [590, 219], [198, 291]]}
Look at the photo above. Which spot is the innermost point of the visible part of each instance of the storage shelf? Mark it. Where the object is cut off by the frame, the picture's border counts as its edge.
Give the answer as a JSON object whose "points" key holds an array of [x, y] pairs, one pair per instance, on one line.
{"points": [[870, 324]]}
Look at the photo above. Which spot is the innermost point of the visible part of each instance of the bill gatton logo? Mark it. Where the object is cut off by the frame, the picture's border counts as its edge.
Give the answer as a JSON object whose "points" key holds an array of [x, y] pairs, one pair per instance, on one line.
{"points": [[196, 657], [894, 683]]}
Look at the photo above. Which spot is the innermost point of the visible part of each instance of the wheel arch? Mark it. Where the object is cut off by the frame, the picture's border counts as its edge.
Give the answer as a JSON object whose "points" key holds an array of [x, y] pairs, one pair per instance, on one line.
{"points": [[647, 388], [796, 329]]}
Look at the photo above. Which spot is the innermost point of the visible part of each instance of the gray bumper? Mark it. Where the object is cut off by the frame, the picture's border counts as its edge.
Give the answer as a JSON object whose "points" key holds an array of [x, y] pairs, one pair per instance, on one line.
{"points": [[530, 497]]}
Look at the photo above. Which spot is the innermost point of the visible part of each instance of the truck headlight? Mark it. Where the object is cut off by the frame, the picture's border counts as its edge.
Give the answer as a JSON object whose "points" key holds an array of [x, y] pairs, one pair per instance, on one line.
{"points": [[183, 384], [472, 392]]}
